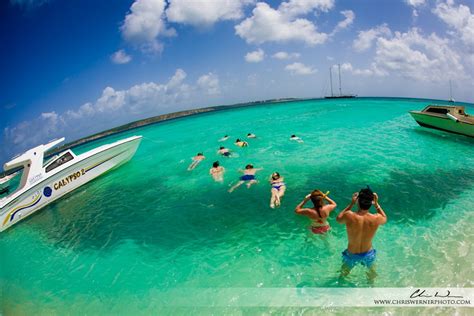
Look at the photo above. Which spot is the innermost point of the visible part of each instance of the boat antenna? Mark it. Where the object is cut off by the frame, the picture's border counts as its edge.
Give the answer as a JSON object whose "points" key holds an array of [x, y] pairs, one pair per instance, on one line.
{"points": [[330, 78], [340, 91]]}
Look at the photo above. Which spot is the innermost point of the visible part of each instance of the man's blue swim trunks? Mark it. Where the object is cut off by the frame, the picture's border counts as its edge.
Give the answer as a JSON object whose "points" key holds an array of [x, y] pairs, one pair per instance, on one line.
{"points": [[352, 259]]}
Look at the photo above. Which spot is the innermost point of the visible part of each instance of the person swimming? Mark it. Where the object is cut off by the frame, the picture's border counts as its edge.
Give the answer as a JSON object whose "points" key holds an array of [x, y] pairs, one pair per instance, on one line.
{"points": [[223, 139], [224, 151], [278, 189], [320, 211], [296, 138], [249, 177], [196, 160], [241, 143], [250, 135], [361, 227], [217, 172]]}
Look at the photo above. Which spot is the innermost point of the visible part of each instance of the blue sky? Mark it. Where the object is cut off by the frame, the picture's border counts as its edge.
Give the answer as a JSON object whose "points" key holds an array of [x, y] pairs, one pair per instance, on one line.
{"points": [[72, 68]]}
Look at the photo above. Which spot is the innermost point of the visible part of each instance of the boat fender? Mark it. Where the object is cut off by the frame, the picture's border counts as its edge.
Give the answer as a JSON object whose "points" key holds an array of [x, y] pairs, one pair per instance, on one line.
{"points": [[454, 118]]}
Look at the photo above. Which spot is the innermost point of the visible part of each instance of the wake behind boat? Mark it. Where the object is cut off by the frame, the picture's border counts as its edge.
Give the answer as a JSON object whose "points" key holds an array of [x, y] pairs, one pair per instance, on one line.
{"points": [[447, 118], [44, 182]]}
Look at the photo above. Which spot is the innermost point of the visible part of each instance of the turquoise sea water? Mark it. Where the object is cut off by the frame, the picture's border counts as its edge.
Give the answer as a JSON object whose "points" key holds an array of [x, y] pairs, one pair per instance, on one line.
{"points": [[122, 242]]}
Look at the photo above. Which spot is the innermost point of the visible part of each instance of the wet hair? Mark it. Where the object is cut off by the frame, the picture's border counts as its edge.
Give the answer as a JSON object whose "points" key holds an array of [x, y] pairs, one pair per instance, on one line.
{"points": [[293, 135], [317, 197], [238, 140], [200, 154], [249, 166], [366, 196], [222, 147], [226, 136], [275, 176], [215, 164]]}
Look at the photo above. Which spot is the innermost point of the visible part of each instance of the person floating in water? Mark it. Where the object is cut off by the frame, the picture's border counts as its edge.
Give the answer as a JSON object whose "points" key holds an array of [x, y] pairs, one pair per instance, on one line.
{"points": [[217, 172], [249, 177], [241, 143], [224, 151], [223, 139], [320, 211], [361, 228], [250, 135], [296, 138], [196, 160], [278, 189]]}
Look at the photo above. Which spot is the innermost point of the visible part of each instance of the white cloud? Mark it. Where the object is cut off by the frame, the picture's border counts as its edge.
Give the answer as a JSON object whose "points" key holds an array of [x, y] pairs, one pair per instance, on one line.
{"points": [[209, 83], [300, 69], [414, 56], [415, 3], [112, 107], [283, 24], [145, 23], [366, 38], [203, 13], [349, 17], [459, 18], [255, 56], [285, 55], [120, 57]]}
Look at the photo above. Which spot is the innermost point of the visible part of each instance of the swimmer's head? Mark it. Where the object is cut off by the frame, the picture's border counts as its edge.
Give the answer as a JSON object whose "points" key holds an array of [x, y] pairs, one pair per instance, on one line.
{"points": [[215, 164], [238, 140], [226, 136], [275, 176], [366, 196], [317, 197], [200, 154], [249, 134], [222, 147], [293, 136], [249, 166]]}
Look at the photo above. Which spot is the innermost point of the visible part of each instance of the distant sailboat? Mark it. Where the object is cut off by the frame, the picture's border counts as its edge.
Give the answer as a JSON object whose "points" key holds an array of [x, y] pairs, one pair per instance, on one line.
{"points": [[340, 96], [451, 99]]}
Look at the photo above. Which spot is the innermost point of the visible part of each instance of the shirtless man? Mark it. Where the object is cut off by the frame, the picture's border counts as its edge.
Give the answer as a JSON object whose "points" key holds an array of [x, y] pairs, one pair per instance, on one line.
{"points": [[241, 143], [217, 172], [249, 177], [361, 228], [224, 151], [320, 211]]}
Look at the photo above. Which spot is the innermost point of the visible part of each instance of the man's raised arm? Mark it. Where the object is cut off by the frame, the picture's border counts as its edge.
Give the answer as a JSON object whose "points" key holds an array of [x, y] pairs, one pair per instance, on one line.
{"points": [[383, 218], [340, 218]]}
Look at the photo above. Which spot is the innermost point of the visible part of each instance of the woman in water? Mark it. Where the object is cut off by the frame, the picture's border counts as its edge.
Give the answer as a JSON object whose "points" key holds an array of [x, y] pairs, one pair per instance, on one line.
{"points": [[320, 211], [251, 135], [223, 139], [196, 160], [249, 177], [224, 151], [217, 172], [278, 189], [241, 143]]}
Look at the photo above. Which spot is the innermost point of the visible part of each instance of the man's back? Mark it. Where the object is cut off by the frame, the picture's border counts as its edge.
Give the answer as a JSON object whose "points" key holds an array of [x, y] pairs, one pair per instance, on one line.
{"points": [[361, 229]]}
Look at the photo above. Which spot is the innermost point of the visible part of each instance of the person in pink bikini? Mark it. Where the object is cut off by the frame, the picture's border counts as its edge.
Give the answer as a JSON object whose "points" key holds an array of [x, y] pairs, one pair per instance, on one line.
{"points": [[319, 212]]}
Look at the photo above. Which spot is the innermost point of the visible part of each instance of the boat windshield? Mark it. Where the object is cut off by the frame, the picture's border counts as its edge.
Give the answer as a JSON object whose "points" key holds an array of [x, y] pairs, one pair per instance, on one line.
{"points": [[9, 184]]}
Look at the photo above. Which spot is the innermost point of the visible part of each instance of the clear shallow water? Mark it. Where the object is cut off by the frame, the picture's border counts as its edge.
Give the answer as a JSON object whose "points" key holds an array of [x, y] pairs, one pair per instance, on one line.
{"points": [[122, 242]]}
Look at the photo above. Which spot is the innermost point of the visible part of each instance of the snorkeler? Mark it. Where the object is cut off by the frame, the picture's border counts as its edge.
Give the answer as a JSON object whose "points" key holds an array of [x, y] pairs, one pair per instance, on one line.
{"points": [[249, 177], [251, 135], [224, 151], [241, 143], [320, 211], [223, 139], [196, 160], [361, 228], [278, 189], [217, 172], [296, 138]]}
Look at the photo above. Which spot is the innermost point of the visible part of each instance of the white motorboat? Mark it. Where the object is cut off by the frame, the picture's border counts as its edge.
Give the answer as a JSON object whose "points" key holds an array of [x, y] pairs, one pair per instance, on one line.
{"points": [[42, 182]]}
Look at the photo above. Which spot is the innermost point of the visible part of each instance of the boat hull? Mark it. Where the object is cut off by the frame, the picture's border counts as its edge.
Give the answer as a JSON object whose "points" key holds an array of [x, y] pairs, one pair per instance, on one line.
{"points": [[443, 124], [67, 180]]}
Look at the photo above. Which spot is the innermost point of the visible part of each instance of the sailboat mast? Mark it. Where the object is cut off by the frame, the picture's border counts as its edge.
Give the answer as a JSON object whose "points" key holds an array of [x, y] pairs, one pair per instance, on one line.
{"points": [[330, 78], [450, 91], [340, 91]]}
